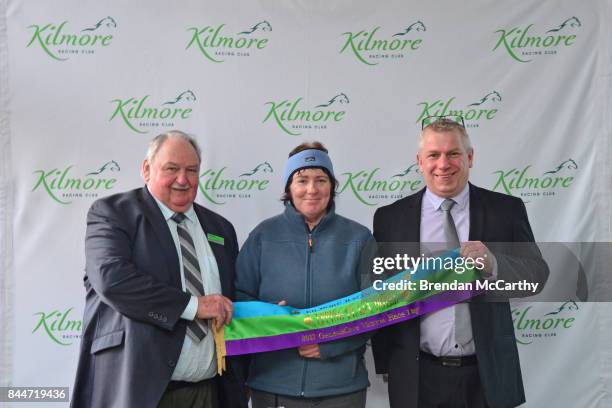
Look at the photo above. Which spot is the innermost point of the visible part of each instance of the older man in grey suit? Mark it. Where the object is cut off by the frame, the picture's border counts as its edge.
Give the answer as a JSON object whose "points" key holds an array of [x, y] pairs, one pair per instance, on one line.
{"points": [[159, 273]]}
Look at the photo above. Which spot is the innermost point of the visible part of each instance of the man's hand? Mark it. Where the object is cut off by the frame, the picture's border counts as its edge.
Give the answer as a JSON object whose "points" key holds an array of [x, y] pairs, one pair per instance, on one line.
{"points": [[310, 351], [216, 307], [478, 251]]}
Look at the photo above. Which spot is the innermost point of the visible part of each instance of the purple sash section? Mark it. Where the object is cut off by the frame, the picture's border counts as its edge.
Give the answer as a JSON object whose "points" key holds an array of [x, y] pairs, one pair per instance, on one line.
{"points": [[393, 316]]}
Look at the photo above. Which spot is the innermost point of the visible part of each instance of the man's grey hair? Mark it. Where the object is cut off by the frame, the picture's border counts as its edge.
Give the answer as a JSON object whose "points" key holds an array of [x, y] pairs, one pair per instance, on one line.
{"points": [[442, 125], [156, 143]]}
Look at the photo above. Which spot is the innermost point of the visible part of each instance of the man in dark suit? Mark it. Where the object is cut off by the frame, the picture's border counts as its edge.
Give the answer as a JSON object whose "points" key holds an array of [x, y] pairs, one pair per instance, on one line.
{"points": [[159, 274], [463, 355]]}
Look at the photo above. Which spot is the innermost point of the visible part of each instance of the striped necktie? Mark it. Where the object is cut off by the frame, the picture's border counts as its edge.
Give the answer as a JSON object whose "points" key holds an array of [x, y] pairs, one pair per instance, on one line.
{"points": [[197, 328]]}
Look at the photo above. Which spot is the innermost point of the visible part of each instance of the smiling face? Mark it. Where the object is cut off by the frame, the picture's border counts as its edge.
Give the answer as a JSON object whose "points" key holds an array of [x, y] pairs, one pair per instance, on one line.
{"points": [[172, 176], [310, 192], [445, 162]]}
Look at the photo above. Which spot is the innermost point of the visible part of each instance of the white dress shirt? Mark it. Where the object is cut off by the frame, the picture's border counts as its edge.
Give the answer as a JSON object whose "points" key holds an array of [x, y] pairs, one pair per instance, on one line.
{"points": [[197, 361], [438, 328]]}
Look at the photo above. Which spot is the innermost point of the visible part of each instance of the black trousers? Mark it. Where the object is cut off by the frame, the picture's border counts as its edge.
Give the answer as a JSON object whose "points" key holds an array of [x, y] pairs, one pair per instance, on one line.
{"points": [[261, 399], [449, 387], [183, 394]]}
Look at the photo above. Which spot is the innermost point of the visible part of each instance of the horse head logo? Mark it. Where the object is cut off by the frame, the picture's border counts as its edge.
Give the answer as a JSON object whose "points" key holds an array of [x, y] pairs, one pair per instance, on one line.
{"points": [[413, 168], [569, 164], [341, 98], [569, 305], [416, 26], [184, 96], [491, 96], [571, 22], [264, 167], [110, 166], [106, 22], [262, 26]]}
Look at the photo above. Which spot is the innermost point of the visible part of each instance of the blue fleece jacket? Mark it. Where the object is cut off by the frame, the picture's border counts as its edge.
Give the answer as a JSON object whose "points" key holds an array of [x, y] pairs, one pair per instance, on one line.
{"points": [[277, 263]]}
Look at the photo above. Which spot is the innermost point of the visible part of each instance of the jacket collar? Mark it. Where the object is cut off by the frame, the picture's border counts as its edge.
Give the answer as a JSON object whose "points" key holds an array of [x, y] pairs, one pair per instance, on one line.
{"points": [[154, 214], [297, 219], [436, 201], [413, 215]]}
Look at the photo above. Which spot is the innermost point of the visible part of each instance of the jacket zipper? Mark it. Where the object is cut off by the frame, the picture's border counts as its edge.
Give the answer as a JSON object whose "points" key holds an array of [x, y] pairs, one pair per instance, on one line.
{"points": [[309, 299]]}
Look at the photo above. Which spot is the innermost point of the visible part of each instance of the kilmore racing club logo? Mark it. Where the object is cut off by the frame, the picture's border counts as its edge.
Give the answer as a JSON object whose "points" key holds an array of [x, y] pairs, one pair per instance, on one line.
{"points": [[143, 114], [219, 185], [294, 116], [58, 325], [64, 184], [523, 43], [62, 40], [527, 183], [372, 45], [531, 326], [216, 42], [372, 186], [478, 111]]}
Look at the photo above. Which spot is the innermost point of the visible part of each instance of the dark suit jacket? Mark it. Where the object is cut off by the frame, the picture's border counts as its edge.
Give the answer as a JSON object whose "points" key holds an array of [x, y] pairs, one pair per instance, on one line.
{"points": [[494, 218], [132, 330]]}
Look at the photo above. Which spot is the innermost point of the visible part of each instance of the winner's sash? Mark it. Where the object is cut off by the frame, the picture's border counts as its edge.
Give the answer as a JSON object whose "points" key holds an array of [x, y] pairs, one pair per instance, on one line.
{"points": [[258, 326]]}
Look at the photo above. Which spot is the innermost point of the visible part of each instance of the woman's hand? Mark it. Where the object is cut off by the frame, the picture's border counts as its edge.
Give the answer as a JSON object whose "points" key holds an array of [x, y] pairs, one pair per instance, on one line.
{"points": [[309, 351]]}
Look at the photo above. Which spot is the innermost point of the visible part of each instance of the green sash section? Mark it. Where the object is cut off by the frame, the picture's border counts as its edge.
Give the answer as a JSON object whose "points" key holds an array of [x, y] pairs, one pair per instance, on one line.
{"points": [[372, 302]]}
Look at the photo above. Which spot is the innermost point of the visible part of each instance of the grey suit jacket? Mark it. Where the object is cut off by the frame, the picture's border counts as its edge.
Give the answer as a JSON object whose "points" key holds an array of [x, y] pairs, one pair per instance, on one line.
{"points": [[494, 218], [132, 330]]}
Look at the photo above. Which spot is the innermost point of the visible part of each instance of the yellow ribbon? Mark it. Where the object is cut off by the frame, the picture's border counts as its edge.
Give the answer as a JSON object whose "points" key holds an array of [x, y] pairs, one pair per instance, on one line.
{"points": [[219, 335]]}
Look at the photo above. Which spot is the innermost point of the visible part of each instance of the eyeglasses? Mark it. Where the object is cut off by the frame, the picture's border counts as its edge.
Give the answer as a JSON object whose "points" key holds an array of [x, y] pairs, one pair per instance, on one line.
{"points": [[458, 119]]}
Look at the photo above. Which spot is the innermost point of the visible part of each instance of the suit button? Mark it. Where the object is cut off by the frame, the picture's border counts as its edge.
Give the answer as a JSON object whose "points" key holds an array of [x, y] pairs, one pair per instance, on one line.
{"points": [[171, 363]]}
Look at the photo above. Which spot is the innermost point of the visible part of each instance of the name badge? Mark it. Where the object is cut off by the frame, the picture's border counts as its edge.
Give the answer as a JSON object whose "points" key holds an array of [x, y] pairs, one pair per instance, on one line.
{"points": [[215, 239]]}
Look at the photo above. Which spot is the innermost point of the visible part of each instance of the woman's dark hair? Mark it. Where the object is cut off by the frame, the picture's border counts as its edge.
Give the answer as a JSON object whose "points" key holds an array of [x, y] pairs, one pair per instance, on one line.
{"points": [[286, 198]]}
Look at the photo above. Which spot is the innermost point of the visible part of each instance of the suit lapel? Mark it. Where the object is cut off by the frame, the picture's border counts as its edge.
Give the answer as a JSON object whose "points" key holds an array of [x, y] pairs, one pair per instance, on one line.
{"points": [[411, 218], [412, 232], [477, 211], [219, 250], [154, 215]]}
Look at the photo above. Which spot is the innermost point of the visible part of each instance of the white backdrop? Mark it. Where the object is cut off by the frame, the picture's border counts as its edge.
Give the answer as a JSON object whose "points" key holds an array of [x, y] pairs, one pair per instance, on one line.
{"points": [[85, 85]]}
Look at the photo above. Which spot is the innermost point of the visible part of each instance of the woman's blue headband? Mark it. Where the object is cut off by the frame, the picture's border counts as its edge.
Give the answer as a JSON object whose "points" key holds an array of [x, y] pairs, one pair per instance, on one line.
{"points": [[305, 159]]}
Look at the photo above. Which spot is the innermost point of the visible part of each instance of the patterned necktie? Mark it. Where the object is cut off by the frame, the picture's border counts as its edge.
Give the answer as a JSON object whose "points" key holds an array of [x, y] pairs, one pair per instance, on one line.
{"points": [[197, 328], [463, 333]]}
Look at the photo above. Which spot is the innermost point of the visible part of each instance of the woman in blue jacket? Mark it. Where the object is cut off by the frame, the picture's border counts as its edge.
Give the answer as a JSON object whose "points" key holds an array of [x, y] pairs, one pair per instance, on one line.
{"points": [[306, 256]]}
